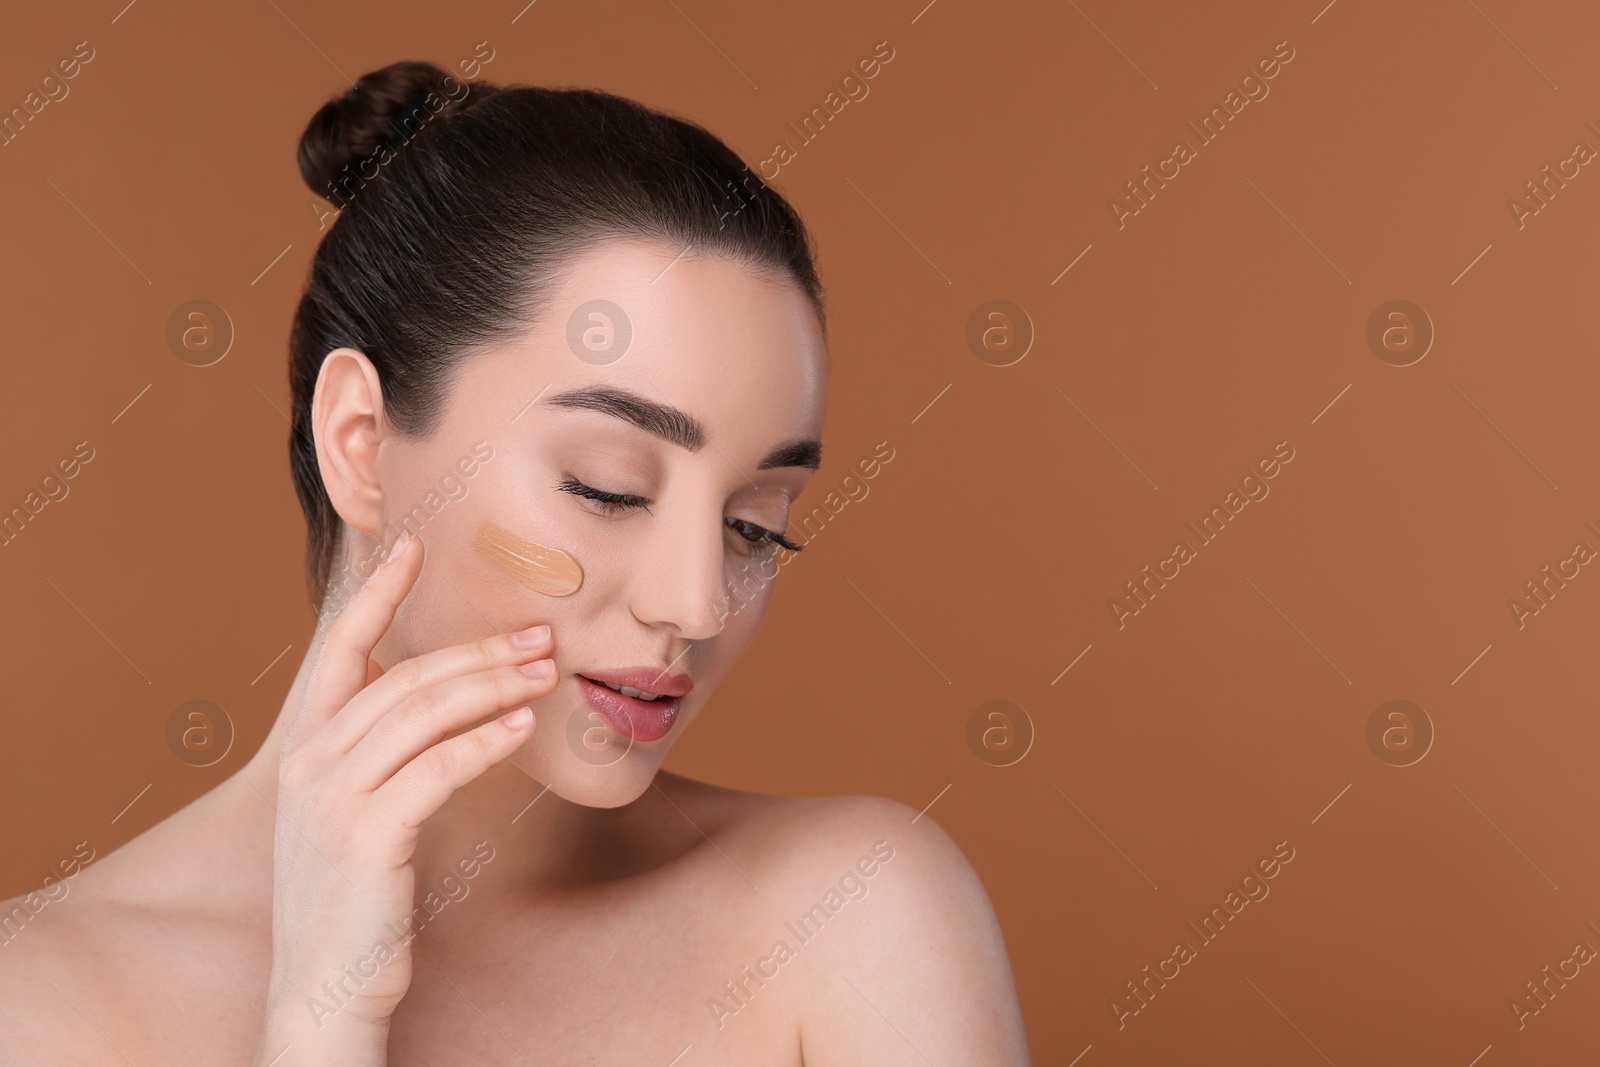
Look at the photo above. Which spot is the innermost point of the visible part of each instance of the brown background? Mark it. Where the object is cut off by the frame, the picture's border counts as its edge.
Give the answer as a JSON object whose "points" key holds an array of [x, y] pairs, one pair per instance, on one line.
{"points": [[1222, 319]]}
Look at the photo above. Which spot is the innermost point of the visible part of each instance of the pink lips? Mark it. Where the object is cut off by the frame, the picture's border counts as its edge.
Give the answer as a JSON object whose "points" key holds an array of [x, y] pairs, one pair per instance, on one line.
{"points": [[631, 717]]}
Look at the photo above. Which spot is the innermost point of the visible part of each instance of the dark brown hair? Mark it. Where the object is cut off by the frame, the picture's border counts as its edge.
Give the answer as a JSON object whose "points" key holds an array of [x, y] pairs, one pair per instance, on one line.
{"points": [[457, 206]]}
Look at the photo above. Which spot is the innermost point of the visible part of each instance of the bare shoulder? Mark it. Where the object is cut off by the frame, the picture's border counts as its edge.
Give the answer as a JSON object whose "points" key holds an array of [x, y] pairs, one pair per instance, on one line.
{"points": [[884, 925], [94, 964], [794, 840], [39, 940]]}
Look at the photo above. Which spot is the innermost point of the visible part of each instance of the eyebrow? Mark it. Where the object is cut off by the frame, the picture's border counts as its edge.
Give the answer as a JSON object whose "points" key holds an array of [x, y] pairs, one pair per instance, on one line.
{"points": [[675, 425]]}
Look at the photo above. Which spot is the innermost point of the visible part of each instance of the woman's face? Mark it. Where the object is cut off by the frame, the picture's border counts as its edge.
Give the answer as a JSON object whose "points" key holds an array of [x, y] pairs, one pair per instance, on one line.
{"points": [[700, 405]]}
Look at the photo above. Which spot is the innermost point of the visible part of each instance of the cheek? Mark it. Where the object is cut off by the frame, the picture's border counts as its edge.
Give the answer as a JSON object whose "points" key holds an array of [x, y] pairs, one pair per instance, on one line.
{"points": [[748, 589], [542, 568], [554, 754], [511, 558], [748, 592]]}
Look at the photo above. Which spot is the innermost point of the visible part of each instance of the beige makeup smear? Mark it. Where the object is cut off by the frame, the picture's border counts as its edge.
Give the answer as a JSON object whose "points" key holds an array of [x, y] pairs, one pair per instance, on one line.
{"points": [[543, 569]]}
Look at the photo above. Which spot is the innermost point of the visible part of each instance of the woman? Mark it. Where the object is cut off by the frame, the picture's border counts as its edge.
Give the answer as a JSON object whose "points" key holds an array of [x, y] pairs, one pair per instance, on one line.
{"points": [[560, 364]]}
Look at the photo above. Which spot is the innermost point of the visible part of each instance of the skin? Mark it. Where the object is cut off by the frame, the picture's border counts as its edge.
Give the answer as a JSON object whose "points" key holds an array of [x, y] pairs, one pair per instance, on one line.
{"points": [[613, 910]]}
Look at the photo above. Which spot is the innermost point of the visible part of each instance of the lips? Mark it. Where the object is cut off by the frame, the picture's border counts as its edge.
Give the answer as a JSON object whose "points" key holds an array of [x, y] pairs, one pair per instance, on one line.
{"points": [[649, 679], [636, 718]]}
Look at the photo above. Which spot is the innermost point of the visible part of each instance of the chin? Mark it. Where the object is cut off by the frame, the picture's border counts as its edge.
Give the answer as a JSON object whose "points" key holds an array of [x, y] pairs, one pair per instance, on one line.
{"points": [[583, 762], [608, 788]]}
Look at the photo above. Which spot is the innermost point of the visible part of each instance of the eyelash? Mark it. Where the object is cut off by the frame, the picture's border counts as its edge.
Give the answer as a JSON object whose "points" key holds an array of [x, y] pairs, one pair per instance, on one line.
{"points": [[611, 503]]}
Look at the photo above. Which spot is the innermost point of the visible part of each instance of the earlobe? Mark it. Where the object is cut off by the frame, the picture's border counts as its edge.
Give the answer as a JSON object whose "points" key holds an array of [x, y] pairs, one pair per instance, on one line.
{"points": [[347, 424]]}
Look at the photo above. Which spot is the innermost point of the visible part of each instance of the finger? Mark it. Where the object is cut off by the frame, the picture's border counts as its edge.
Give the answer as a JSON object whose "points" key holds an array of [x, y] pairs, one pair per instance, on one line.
{"points": [[422, 786], [358, 716], [342, 663], [427, 717]]}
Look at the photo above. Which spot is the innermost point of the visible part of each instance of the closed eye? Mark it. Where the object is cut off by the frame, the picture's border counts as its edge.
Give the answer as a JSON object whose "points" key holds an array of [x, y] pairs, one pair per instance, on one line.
{"points": [[760, 534], [608, 503]]}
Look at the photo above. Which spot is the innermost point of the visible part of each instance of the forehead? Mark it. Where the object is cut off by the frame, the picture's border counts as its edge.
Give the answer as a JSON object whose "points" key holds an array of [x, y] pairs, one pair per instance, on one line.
{"points": [[740, 349]]}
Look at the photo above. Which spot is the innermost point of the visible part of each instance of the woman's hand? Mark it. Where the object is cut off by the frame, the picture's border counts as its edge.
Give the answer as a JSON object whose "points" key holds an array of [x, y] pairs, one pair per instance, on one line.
{"points": [[363, 764]]}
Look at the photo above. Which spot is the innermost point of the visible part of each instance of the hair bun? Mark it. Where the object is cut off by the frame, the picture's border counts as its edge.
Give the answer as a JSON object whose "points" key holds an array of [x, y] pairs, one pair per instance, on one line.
{"points": [[383, 109]]}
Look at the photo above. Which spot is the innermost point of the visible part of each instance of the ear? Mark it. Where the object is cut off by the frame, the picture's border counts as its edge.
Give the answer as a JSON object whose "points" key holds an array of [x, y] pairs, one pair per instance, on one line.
{"points": [[347, 425]]}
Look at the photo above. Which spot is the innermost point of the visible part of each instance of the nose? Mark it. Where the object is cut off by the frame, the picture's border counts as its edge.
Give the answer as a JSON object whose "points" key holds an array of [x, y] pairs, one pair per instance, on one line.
{"points": [[678, 580]]}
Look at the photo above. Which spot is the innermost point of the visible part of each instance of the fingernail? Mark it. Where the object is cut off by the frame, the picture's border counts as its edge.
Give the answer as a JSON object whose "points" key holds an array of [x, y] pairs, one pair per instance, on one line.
{"points": [[539, 668], [532, 637], [520, 719], [396, 548]]}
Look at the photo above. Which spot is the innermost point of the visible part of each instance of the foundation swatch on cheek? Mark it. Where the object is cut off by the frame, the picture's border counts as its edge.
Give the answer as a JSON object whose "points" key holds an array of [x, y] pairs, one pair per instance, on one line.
{"points": [[543, 569]]}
